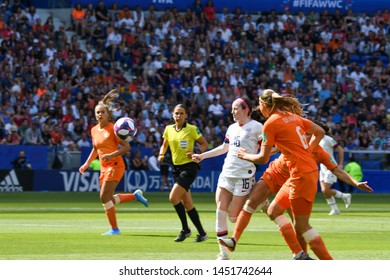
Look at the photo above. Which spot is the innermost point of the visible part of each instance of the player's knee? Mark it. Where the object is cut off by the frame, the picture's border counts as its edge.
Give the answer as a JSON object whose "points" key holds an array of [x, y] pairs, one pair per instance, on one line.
{"points": [[232, 219], [247, 208]]}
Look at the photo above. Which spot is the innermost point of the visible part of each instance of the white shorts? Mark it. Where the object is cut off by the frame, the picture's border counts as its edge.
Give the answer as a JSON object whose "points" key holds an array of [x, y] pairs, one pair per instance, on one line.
{"points": [[237, 186], [327, 177]]}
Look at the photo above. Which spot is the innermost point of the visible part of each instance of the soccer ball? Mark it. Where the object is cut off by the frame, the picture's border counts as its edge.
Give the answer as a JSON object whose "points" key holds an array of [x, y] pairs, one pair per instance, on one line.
{"points": [[125, 128]]}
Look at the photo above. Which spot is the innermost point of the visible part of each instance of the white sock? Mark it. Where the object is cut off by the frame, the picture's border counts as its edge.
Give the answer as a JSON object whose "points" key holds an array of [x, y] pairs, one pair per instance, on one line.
{"points": [[221, 225], [332, 203], [339, 194]]}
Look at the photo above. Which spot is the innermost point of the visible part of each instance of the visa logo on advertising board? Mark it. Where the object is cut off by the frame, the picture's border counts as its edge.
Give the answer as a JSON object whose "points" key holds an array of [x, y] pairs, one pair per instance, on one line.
{"points": [[76, 182], [73, 181], [151, 181]]}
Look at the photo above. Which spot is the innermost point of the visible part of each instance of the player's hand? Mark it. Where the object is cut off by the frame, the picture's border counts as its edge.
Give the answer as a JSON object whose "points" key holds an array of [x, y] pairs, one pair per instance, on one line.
{"points": [[160, 158], [197, 158], [364, 187], [241, 153], [106, 157], [83, 168], [189, 154]]}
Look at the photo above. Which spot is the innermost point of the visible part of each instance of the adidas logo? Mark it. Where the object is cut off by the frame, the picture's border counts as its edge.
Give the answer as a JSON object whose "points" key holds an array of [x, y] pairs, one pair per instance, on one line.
{"points": [[11, 183]]}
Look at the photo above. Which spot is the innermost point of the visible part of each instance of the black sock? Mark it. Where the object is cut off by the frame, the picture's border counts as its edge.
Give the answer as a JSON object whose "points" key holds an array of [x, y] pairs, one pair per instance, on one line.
{"points": [[194, 216], [181, 212]]}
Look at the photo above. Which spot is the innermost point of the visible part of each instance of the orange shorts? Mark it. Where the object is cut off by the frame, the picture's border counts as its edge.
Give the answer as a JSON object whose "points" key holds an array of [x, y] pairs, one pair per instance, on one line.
{"points": [[111, 173], [299, 206], [273, 180], [303, 185]]}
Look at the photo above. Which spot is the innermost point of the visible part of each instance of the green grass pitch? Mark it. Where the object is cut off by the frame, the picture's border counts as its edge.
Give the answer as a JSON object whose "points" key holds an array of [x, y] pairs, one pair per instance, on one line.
{"points": [[68, 226]]}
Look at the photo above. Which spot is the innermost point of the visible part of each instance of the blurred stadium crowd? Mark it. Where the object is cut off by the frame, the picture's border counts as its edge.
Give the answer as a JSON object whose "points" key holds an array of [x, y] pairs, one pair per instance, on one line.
{"points": [[49, 85]]}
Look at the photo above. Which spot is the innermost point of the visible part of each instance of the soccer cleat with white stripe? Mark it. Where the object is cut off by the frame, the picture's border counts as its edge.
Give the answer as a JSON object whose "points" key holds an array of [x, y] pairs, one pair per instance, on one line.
{"points": [[113, 231], [138, 195]]}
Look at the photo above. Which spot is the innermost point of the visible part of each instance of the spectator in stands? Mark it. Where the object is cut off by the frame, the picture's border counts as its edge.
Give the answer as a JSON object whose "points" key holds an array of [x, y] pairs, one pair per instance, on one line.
{"points": [[32, 16], [101, 13], [21, 161], [33, 135], [78, 17], [12, 136], [153, 163], [137, 162], [56, 135], [84, 141]]}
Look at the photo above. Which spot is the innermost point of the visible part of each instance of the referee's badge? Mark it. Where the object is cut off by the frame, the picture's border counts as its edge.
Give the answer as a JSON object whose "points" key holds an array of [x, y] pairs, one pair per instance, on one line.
{"points": [[183, 144]]}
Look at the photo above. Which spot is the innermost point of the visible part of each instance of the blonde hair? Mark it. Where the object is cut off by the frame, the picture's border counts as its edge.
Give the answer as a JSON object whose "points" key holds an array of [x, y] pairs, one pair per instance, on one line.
{"points": [[274, 100], [109, 103]]}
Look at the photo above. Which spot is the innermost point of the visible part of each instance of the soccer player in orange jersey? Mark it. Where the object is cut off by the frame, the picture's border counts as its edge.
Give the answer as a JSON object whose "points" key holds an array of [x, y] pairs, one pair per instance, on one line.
{"points": [[109, 149]]}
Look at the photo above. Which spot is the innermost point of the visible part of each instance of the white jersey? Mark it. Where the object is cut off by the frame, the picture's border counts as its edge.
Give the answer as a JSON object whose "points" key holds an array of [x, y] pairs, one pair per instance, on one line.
{"points": [[247, 137], [328, 144]]}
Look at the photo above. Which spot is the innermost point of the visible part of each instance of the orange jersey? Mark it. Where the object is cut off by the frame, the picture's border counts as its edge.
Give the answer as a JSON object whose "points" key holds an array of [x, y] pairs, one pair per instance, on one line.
{"points": [[286, 131], [106, 142]]}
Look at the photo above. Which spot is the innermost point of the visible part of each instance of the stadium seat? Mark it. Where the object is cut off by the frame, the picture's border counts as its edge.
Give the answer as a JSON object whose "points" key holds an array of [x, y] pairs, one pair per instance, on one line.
{"points": [[354, 58], [365, 58], [372, 164], [384, 59]]}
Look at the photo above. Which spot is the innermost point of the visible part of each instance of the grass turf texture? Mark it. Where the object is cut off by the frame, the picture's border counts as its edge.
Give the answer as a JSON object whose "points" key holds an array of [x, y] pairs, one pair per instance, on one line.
{"points": [[68, 226]]}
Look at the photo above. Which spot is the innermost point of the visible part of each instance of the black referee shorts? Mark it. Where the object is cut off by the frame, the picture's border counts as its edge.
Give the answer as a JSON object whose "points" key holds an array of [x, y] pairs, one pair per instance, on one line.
{"points": [[185, 174]]}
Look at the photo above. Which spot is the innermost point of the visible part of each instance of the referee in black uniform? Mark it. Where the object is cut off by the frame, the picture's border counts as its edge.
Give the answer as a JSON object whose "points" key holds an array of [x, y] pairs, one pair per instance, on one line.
{"points": [[181, 138]]}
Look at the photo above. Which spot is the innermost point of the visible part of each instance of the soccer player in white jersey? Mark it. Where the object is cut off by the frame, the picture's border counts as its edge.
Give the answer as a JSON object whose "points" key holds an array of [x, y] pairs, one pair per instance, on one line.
{"points": [[327, 178], [238, 176]]}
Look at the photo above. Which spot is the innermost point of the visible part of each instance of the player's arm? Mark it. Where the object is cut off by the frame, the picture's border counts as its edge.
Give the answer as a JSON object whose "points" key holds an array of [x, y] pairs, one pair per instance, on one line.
{"points": [[317, 134], [345, 177], [261, 158], [220, 150], [92, 155], [340, 151], [123, 149], [163, 150]]}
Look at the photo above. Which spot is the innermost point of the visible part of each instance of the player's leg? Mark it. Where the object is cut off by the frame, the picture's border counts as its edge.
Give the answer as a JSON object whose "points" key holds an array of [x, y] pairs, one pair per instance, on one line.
{"points": [[301, 209], [301, 201], [106, 196], [223, 199], [175, 196], [194, 216], [327, 179], [116, 175], [330, 199], [258, 195], [275, 211]]}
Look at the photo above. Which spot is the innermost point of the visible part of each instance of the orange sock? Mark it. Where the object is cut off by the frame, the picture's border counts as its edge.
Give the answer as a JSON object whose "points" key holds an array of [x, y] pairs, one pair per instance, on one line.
{"points": [[242, 221], [319, 248], [111, 215], [124, 197], [290, 237], [302, 242]]}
